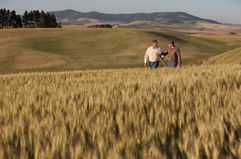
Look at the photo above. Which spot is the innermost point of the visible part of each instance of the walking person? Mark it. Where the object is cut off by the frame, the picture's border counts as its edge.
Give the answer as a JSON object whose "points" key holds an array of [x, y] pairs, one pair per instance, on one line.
{"points": [[173, 55], [152, 56]]}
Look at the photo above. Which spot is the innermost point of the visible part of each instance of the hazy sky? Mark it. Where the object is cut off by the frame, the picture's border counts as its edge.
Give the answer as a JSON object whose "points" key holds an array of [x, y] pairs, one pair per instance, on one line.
{"points": [[222, 10]]}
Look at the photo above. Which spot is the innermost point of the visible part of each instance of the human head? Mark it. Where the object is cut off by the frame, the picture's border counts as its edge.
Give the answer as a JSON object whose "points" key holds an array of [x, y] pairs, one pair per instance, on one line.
{"points": [[171, 44], [154, 43]]}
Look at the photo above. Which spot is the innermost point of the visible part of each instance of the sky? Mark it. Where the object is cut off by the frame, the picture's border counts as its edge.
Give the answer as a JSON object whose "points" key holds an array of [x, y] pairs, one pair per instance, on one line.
{"points": [[227, 11]]}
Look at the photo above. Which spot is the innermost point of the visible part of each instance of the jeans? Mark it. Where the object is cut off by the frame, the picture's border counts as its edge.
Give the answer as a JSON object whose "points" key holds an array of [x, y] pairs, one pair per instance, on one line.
{"points": [[154, 65], [172, 64]]}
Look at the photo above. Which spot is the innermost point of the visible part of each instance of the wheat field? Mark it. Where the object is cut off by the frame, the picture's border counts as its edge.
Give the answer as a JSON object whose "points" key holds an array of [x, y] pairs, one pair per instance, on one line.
{"points": [[191, 112]]}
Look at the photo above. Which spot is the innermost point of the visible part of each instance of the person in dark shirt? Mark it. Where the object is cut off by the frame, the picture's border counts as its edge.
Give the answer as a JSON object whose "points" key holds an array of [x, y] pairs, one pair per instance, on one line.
{"points": [[173, 55]]}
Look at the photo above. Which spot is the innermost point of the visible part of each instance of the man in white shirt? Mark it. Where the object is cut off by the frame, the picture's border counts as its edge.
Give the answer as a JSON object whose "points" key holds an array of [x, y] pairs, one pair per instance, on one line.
{"points": [[152, 56]]}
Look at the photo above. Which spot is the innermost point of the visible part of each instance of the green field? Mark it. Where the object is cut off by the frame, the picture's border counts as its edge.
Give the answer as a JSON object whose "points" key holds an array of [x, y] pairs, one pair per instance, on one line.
{"points": [[73, 48]]}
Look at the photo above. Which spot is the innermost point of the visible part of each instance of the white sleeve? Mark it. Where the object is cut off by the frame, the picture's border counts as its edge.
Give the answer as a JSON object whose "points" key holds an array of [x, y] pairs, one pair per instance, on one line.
{"points": [[146, 57], [160, 51]]}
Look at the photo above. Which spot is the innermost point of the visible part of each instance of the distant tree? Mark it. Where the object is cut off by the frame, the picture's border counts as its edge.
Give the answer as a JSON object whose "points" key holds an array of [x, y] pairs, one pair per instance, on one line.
{"points": [[50, 21], [26, 19], [32, 19], [19, 21], [9, 19], [36, 19], [233, 33], [1, 19], [42, 19], [101, 26]]}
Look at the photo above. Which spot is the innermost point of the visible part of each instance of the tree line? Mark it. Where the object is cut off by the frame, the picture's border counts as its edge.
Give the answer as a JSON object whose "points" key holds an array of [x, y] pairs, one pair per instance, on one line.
{"points": [[100, 26], [32, 19]]}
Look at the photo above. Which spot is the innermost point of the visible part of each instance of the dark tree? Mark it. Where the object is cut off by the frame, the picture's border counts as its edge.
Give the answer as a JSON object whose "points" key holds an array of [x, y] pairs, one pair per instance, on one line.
{"points": [[9, 19], [101, 26], [35, 19], [32, 19]]}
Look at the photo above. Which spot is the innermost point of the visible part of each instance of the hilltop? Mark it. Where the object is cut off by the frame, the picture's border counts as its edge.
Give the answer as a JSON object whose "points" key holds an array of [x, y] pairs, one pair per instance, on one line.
{"points": [[72, 17]]}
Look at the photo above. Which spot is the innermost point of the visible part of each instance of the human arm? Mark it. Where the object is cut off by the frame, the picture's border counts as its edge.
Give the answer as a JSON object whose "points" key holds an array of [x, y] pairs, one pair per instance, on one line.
{"points": [[146, 58], [179, 60], [164, 53]]}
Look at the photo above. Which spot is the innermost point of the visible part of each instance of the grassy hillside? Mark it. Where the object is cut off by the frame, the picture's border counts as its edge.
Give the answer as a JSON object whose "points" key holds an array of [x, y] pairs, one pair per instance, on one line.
{"points": [[144, 24], [192, 112], [229, 57], [64, 49]]}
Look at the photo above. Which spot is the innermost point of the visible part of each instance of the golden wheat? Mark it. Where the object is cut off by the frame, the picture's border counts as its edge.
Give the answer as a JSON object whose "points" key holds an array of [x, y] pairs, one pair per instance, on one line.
{"points": [[192, 112]]}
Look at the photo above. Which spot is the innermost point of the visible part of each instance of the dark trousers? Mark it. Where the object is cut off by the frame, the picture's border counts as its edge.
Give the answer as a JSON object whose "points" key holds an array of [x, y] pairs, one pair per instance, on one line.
{"points": [[172, 64], [154, 65]]}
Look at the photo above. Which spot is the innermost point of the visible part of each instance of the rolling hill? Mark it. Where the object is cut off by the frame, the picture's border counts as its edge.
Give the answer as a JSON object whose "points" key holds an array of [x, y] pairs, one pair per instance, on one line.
{"points": [[68, 17], [72, 48], [229, 57]]}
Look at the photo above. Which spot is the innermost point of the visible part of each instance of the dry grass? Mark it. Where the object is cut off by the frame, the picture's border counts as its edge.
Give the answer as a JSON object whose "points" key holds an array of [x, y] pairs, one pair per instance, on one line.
{"points": [[192, 112], [230, 57], [76, 48]]}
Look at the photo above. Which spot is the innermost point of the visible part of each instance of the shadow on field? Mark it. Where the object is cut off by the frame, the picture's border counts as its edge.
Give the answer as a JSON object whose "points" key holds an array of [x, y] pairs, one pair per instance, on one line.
{"points": [[168, 37]]}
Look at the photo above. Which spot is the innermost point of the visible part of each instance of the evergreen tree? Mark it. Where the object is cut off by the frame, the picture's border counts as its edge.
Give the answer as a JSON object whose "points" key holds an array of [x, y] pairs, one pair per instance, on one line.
{"points": [[32, 19]]}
